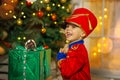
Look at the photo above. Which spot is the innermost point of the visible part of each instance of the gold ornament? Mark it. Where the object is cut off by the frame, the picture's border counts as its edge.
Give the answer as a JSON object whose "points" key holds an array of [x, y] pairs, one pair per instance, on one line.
{"points": [[68, 10], [43, 30], [70, 6], [2, 50], [46, 1], [19, 21], [63, 1], [48, 8]]}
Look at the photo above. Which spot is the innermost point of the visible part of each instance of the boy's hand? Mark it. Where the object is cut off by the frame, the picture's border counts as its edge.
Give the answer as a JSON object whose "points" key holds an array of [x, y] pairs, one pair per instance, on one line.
{"points": [[65, 49]]}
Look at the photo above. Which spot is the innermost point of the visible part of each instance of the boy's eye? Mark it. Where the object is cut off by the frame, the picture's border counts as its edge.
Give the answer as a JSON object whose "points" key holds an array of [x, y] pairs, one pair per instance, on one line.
{"points": [[67, 26], [73, 26]]}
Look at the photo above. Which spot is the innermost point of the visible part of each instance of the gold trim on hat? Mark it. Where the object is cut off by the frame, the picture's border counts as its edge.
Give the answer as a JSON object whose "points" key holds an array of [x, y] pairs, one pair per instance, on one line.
{"points": [[77, 15], [90, 27]]}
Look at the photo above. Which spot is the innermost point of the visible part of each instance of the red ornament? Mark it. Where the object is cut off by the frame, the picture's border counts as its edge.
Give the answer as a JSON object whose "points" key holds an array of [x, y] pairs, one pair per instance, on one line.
{"points": [[28, 3], [7, 44], [40, 14], [54, 17], [46, 47]]}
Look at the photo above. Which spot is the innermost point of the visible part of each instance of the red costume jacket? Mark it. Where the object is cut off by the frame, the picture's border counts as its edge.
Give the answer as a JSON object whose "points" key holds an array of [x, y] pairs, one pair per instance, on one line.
{"points": [[76, 65]]}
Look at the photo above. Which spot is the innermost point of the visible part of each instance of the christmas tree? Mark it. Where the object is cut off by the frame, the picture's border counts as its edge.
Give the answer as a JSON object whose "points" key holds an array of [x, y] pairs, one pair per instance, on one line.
{"points": [[41, 20]]}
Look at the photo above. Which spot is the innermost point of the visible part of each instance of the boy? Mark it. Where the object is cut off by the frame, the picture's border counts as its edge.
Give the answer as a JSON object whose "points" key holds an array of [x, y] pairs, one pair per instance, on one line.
{"points": [[73, 59]]}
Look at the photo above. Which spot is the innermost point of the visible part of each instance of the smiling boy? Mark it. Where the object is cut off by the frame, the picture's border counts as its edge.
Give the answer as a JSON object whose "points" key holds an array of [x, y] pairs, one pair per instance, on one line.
{"points": [[73, 59]]}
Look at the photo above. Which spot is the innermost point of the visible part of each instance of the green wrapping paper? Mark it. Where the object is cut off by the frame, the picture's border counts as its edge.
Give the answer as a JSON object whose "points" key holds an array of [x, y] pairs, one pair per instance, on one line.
{"points": [[29, 65]]}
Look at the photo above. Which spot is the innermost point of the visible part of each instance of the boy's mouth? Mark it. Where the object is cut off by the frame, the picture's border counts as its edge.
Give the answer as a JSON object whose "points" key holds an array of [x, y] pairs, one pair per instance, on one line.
{"points": [[68, 34]]}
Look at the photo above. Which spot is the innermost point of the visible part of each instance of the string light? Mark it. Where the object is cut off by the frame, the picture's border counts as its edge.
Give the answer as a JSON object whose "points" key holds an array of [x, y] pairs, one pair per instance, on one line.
{"points": [[63, 7], [101, 23], [105, 16], [24, 38], [10, 11], [22, 13], [48, 14], [14, 17], [55, 22], [6, 14], [33, 14], [5, 4], [41, 2], [53, 4], [22, 3], [99, 50], [105, 9], [24, 16], [18, 38], [100, 17], [58, 5], [94, 54]]}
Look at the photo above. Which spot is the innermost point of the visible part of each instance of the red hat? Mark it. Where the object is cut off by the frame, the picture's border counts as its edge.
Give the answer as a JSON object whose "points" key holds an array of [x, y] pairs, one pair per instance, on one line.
{"points": [[83, 18]]}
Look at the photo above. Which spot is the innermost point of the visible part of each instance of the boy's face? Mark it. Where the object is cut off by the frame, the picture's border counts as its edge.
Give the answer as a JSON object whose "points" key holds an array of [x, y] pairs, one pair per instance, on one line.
{"points": [[73, 32]]}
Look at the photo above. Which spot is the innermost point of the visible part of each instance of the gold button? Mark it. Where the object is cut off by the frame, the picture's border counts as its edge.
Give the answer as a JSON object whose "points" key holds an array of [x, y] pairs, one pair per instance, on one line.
{"points": [[67, 56]]}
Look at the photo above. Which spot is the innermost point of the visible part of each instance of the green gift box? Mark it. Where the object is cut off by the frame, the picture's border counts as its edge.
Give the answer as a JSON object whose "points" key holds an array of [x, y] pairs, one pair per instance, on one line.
{"points": [[29, 65]]}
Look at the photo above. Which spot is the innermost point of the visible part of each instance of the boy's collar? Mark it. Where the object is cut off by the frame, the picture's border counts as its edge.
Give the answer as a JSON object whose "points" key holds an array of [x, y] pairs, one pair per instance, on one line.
{"points": [[76, 42]]}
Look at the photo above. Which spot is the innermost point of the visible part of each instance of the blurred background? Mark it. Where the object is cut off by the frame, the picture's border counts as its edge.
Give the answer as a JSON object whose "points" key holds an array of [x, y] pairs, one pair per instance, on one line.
{"points": [[43, 20]]}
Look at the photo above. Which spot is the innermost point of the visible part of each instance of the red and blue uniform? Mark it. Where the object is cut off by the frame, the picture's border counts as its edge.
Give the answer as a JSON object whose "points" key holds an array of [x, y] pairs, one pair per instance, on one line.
{"points": [[75, 64]]}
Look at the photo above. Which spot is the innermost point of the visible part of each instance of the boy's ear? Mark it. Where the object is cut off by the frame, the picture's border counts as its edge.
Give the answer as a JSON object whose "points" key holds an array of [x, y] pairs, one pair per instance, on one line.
{"points": [[83, 34]]}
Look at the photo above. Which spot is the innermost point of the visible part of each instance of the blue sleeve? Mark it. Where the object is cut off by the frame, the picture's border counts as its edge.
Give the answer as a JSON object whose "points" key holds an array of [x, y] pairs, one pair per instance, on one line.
{"points": [[61, 55]]}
